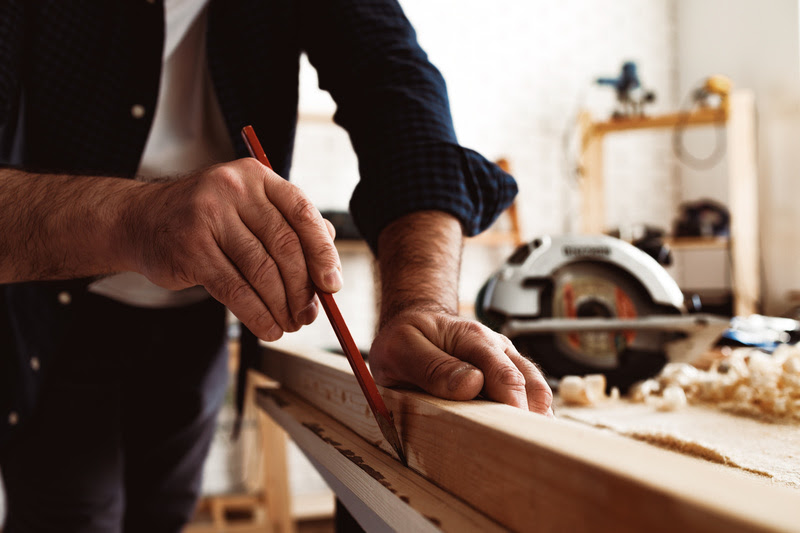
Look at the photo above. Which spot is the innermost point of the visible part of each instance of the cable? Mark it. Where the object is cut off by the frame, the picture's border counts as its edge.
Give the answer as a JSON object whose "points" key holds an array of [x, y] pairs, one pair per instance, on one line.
{"points": [[683, 155]]}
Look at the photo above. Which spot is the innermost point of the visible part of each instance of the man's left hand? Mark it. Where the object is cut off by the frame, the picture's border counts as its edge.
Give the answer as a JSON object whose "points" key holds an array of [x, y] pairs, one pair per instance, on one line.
{"points": [[457, 359]]}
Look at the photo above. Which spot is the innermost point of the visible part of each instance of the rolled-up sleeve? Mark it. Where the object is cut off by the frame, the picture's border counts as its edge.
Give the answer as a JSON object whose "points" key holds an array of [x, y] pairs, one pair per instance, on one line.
{"points": [[393, 103]]}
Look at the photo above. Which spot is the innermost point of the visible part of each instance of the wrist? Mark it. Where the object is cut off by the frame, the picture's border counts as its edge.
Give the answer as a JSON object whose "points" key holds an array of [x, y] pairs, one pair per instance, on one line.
{"points": [[419, 262], [129, 225], [392, 310]]}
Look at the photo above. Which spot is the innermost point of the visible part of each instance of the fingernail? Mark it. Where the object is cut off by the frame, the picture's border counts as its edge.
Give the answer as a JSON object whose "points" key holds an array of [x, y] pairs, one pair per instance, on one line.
{"points": [[274, 333], [333, 280], [457, 377], [307, 315]]}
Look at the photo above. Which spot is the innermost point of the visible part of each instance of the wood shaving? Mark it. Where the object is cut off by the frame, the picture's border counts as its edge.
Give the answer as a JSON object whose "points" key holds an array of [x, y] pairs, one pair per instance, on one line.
{"points": [[746, 382], [672, 399], [587, 390]]}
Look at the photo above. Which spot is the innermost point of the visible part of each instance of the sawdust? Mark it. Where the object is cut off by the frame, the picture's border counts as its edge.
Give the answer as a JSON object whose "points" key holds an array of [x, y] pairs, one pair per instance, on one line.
{"points": [[768, 450], [695, 449]]}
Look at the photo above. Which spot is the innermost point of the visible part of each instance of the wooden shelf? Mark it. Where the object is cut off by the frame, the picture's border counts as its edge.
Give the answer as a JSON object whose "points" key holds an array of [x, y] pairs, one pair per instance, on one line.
{"points": [[701, 117], [737, 115], [697, 243]]}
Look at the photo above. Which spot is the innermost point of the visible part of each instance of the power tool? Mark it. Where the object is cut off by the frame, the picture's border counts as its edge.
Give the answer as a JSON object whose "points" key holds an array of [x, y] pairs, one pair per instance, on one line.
{"points": [[587, 304], [630, 94]]}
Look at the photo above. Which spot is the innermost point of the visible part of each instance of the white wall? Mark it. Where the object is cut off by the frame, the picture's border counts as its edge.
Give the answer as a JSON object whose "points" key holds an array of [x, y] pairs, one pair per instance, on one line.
{"points": [[756, 44]]}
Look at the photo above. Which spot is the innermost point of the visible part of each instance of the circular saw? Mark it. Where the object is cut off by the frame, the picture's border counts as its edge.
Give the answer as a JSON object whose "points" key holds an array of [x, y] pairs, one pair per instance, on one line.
{"points": [[586, 304]]}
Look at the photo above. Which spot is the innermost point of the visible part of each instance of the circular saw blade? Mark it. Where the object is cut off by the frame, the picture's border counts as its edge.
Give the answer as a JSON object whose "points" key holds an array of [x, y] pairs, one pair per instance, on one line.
{"points": [[596, 290]]}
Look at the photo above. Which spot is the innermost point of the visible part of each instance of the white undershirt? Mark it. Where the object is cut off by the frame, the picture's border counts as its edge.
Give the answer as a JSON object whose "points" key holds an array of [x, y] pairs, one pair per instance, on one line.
{"points": [[188, 133]]}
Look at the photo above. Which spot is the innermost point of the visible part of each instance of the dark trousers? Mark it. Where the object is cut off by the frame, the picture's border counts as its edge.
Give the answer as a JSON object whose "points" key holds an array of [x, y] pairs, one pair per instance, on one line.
{"points": [[123, 423]]}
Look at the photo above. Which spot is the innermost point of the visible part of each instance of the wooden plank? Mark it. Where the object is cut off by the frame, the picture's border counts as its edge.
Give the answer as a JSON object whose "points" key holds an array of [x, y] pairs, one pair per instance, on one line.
{"points": [[743, 198], [699, 117], [527, 471], [379, 494]]}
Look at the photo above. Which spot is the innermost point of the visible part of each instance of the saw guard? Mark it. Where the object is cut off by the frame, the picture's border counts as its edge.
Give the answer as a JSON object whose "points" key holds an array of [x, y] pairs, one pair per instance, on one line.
{"points": [[511, 292]]}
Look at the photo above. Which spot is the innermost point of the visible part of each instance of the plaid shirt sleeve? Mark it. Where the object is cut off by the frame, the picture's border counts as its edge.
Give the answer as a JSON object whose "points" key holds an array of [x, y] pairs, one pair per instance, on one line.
{"points": [[393, 102], [11, 26]]}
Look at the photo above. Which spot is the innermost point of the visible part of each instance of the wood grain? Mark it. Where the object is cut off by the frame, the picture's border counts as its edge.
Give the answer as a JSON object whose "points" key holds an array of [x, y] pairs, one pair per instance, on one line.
{"points": [[529, 472]]}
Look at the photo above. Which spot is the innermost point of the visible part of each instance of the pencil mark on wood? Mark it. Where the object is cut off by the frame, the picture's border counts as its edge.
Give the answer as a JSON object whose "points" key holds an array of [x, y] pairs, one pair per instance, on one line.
{"points": [[374, 474], [279, 400], [357, 460], [320, 432]]}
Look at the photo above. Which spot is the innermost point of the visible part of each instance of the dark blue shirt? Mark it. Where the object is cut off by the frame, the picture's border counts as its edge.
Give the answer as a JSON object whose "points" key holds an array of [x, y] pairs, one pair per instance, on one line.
{"points": [[71, 72]]}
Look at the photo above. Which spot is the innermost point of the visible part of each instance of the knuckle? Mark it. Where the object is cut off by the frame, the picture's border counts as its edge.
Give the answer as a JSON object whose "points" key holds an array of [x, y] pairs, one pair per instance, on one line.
{"points": [[304, 212], [511, 377], [542, 396], [280, 312], [263, 323], [230, 180], [264, 172], [474, 329], [204, 206], [325, 259], [478, 333], [234, 291], [250, 164], [224, 174], [265, 273], [434, 369], [287, 244]]}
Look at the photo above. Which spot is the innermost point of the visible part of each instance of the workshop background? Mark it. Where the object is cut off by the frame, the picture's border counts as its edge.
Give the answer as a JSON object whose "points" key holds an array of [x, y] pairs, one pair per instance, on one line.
{"points": [[518, 73]]}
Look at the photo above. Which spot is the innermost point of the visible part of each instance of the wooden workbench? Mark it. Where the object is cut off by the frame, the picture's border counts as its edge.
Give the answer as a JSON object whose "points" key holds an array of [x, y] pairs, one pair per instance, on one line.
{"points": [[482, 466]]}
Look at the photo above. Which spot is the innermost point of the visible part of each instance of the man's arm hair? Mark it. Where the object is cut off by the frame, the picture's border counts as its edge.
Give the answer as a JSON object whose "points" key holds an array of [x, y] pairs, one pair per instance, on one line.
{"points": [[59, 226], [419, 257]]}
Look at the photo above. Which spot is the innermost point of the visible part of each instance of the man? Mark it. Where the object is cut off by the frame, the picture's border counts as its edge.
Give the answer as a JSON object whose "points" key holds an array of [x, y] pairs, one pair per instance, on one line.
{"points": [[112, 350]]}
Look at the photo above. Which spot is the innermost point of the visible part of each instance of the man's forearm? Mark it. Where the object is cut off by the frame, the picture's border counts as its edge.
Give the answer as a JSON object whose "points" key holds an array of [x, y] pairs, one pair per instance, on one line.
{"points": [[419, 258], [252, 239], [59, 226], [422, 342]]}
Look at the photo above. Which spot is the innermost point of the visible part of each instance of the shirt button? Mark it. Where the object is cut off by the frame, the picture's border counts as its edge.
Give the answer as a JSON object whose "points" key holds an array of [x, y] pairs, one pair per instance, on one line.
{"points": [[64, 298], [35, 363], [137, 111], [13, 418]]}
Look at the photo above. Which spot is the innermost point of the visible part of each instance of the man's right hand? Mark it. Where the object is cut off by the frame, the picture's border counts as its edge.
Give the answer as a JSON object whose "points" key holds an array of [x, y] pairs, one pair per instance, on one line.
{"points": [[251, 238]]}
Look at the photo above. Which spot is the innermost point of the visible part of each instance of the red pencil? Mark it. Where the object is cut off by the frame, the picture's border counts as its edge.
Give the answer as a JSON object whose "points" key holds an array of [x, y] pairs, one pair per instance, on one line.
{"points": [[363, 376]]}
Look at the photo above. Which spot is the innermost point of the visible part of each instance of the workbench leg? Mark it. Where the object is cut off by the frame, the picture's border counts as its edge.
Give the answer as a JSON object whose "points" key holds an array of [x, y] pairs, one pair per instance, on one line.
{"points": [[277, 500]]}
